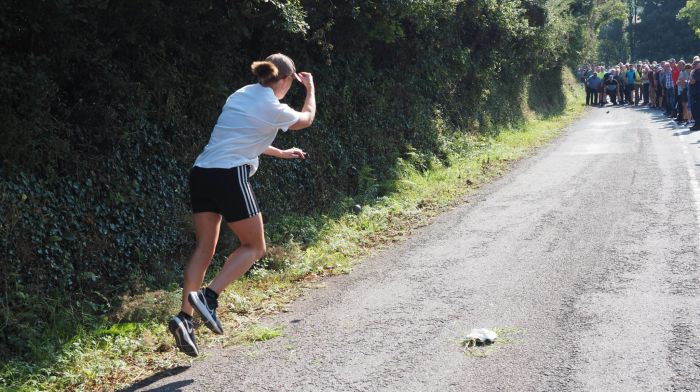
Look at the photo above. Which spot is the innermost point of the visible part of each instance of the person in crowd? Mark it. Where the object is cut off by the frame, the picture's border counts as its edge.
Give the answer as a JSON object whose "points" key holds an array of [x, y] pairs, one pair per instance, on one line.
{"points": [[586, 73], [691, 122], [644, 72], [601, 92], [621, 82], [694, 85], [659, 86], [682, 96], [582, 73], [630, 77], [652, 86], [603, 89], [638, 84], [675, 71], [669, 89], [592, 87], [611, 87]]}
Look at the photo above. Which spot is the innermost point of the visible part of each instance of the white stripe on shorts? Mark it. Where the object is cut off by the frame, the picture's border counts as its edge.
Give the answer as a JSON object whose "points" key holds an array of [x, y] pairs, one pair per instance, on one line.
{"points": [[243, 189], [251, 198]]}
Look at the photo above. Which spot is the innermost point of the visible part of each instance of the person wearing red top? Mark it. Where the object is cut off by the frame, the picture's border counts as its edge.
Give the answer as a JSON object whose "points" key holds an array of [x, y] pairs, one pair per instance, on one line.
{"points": [[674, 71]]}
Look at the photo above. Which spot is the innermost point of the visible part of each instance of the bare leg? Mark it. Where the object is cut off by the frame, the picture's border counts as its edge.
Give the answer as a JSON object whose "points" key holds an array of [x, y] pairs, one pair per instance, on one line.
{"points": [[206, 225], [251, 234]]}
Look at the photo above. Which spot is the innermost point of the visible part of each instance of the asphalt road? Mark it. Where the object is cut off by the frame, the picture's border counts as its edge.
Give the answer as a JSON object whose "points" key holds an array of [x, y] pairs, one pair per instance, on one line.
{"points": [[584, 256]]}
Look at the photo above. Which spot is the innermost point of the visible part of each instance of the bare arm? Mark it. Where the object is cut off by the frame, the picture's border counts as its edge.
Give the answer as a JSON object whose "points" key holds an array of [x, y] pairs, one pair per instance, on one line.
{"points": [[290, 153], [308, 112]]}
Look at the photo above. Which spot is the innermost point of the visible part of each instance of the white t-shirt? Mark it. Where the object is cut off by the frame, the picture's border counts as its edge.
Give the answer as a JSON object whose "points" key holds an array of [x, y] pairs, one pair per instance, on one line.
{"points": [[246, 127]]}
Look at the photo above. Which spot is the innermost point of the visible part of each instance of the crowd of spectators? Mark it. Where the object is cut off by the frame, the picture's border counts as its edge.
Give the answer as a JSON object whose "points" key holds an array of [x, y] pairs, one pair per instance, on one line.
{"points": [[671, 86]]}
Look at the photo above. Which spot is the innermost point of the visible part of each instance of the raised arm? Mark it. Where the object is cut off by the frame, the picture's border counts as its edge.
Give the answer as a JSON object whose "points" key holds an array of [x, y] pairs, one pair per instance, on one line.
{"points": [[308, 112]]}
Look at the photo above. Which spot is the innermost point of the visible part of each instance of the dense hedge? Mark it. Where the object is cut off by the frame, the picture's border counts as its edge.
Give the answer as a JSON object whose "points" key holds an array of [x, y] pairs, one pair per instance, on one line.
{"points": [[106, 104]]}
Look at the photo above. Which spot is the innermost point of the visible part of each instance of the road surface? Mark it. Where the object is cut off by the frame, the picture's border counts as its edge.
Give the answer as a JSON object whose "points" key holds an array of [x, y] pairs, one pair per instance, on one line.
{"points": [[585, 257]]}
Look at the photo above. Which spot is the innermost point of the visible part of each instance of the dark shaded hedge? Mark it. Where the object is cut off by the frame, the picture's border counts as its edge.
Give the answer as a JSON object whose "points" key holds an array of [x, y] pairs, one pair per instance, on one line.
{"points": [[105, 106]]}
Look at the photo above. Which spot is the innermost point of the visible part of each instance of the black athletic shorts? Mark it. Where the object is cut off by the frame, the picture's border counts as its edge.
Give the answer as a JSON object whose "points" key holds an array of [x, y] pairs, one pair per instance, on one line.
{"points": [[224, 191]]}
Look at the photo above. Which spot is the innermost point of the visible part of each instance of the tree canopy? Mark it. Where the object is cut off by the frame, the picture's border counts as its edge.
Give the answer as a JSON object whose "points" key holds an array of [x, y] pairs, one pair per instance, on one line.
{"points": [[660, 34], [691, 13]]}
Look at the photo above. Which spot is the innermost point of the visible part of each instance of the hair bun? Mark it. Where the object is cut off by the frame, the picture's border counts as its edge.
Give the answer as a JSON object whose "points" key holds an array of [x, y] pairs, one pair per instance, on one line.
{"points": [[264, 71]]}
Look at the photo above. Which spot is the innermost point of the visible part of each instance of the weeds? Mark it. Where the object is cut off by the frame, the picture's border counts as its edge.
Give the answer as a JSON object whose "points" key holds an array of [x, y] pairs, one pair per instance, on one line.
{"points": [[260, 333]]}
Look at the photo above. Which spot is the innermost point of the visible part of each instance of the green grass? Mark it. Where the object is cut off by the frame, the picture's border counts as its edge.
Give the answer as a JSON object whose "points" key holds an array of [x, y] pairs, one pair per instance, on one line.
{"points": [[109, 354], [260, 333]]}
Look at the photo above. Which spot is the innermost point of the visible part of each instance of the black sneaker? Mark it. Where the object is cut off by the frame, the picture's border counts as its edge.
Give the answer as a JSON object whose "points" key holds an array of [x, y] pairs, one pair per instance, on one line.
{"points": [[183, 331], [206, 309]]}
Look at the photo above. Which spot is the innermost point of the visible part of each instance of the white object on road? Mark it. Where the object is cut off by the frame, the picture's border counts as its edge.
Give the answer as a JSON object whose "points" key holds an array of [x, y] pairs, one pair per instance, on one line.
{"points": [[482, 335]]}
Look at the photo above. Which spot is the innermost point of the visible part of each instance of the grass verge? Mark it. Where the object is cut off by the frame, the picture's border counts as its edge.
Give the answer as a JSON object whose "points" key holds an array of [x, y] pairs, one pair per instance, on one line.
{"points": [[115, 354]]}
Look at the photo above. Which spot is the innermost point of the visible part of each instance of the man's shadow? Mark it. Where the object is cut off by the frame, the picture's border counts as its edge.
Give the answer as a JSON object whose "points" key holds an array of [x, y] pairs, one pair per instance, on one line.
{"points": [[684, 133], [174, 386]]}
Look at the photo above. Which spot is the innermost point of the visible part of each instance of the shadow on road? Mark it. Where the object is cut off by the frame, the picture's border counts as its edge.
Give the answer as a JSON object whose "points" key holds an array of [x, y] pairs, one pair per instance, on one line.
{"points": [[684, 133], [172, 387]]}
